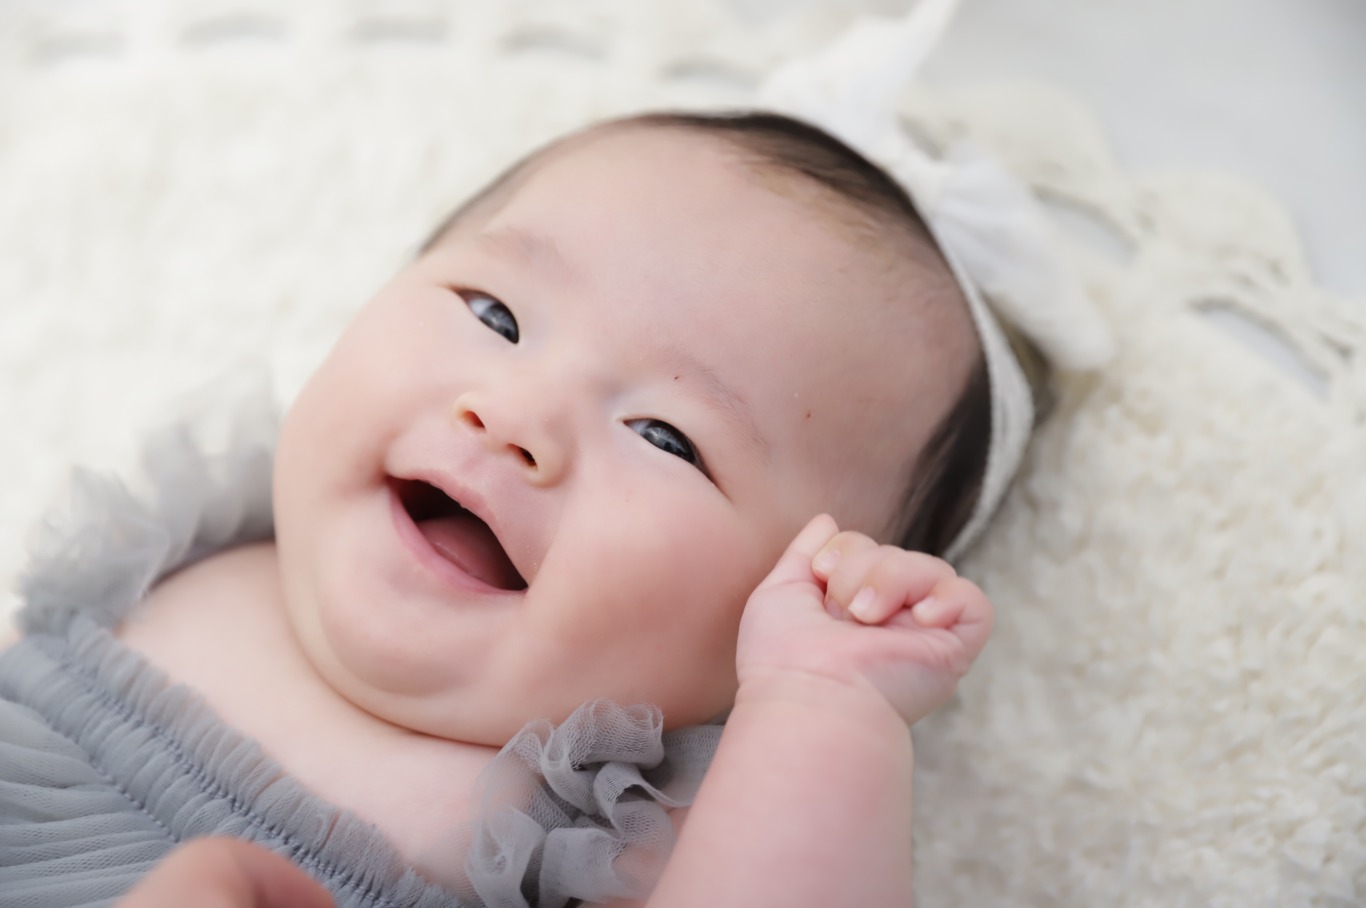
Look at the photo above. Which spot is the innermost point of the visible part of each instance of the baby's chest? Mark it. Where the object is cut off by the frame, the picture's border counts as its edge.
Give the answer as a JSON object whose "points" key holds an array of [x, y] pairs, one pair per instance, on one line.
{"points": [[418, 797]]}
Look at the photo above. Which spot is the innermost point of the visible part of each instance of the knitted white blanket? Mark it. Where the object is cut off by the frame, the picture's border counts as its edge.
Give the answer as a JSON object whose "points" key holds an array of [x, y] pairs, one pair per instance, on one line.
{"points": [[1172, 711]]}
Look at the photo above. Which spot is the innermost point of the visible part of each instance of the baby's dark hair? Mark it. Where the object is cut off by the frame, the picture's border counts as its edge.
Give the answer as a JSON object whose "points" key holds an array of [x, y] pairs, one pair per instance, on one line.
{"points": [[945, 480]]}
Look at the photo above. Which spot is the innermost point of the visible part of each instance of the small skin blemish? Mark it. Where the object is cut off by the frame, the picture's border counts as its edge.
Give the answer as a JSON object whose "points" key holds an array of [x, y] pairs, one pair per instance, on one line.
{"points": [[808, 414]]}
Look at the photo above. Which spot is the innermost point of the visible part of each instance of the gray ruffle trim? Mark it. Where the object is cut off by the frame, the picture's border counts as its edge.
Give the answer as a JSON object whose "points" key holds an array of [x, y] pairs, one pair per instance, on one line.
{"points": [[103, 548], [580, 808], [577, 811]]}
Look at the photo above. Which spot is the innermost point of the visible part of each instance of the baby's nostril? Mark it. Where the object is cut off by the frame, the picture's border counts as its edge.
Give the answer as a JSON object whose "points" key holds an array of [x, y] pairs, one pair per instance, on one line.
{"points": [[526, 455], [471, 419]]}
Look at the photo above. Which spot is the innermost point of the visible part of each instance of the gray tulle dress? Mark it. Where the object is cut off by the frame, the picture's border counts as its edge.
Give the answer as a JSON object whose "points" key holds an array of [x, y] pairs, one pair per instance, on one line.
{"points": [[105, 766]]}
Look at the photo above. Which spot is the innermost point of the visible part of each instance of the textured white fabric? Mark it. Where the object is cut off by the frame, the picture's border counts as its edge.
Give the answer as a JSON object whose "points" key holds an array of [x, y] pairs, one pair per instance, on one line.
{"points": [[1171, 711]]}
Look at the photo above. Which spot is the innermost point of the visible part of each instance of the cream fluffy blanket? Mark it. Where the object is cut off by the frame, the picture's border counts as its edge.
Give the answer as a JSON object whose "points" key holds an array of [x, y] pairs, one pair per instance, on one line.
{"points": [[1172, 711]]}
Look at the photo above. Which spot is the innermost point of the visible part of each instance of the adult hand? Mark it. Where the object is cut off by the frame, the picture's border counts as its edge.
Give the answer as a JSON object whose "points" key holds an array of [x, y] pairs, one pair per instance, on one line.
{"points": [[226, 873]]}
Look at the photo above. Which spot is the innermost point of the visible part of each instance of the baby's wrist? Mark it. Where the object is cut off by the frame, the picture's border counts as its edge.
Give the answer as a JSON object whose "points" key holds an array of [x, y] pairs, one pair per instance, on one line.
{"points": [[847, 702]]}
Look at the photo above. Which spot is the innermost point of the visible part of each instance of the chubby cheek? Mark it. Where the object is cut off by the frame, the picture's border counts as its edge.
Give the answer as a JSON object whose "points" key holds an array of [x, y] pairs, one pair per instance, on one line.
{"points": [[328, 459], [665, 611], [309, 473], [335, 432]]}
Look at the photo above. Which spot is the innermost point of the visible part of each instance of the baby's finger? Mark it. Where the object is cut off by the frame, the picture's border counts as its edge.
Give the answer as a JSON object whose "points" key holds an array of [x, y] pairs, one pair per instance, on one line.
{"points": [[835, 550], [794, 566], [934, 611], [960, 606], [874, 585], [226, 873], [856, 556]]}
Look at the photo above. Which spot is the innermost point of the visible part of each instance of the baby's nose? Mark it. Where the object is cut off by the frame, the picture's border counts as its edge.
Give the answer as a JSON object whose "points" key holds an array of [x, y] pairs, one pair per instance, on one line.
{"points": [[508, 425]]}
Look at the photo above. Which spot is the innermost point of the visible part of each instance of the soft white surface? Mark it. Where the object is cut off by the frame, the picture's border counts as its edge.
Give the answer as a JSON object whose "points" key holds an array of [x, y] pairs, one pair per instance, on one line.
{"points": [[1172, 710]]}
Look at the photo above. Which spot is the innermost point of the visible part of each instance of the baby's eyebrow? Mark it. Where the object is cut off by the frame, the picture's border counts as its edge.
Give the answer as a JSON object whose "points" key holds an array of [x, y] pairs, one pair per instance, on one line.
{"points": [[723, 395], [525, 247]]}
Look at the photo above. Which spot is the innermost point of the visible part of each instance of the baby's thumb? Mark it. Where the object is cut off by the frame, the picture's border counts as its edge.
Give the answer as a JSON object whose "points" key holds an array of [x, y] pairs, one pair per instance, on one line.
{"points": [[795, 564]]}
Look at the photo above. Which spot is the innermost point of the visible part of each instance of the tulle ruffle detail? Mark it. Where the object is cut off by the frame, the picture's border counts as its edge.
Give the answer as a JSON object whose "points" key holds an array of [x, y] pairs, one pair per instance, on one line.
{"points": [[578, 811], [200, 485]]}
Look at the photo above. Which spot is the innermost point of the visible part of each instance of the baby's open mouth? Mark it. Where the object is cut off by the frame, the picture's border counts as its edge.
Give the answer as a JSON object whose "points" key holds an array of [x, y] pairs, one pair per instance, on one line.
{"points": [[458, 535]]}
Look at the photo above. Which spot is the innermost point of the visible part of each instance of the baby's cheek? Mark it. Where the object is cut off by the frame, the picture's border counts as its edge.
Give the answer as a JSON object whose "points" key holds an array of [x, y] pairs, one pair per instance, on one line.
{"points": [[668, 641]]}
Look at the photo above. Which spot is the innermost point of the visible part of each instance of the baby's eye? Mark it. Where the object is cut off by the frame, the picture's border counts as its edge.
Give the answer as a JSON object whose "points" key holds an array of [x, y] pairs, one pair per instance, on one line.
{"points": [[492, 313], [668, 439]]}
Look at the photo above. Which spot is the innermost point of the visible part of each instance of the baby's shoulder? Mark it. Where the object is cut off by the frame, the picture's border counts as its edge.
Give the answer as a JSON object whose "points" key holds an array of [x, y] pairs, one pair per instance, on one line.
{"points": [[208, 623], [231, 588]]}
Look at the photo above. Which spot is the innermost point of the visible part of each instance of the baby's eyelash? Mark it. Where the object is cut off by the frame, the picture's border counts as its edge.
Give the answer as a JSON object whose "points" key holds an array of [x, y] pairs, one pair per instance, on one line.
{"points": [[670, 440], [492, 312]]}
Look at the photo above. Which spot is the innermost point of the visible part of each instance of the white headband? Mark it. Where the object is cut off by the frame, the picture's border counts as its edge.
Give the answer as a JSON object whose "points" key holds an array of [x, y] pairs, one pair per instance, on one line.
{"points": [[990, 228]]}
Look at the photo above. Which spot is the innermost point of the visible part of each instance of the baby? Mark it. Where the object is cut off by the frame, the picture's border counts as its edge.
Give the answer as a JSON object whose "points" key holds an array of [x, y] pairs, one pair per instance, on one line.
{"points": [[669, 414]]}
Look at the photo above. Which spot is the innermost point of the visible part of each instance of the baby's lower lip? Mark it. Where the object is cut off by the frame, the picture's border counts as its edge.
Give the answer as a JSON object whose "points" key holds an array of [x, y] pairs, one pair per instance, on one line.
{"points": [[446, 571]]}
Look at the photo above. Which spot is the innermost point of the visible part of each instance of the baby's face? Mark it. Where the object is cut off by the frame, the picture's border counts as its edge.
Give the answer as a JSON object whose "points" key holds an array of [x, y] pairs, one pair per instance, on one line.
{"points": [[639, 373]]}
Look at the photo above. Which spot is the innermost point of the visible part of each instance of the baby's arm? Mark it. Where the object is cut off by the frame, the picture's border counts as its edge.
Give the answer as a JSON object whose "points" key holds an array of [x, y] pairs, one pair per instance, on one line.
{"points": [[808, 801]]}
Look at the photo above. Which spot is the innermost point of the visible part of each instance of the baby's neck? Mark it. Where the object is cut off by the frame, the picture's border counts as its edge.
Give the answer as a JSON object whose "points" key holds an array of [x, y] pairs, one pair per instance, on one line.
{"points": [[220, 628]]}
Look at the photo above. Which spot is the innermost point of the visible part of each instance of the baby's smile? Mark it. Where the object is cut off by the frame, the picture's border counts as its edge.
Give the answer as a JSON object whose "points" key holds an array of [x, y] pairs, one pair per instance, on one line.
{"points": [[455, 533]]}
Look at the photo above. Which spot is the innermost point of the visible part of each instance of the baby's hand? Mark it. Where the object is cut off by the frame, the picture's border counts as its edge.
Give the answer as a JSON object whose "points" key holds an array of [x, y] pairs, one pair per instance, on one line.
{"points": [[840, 607]]}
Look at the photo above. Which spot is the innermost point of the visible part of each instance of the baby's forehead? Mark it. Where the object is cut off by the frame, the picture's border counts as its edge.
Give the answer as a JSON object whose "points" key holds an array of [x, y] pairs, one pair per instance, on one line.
{"points": [[806, 173], [693, 191], [749, 212], [749, 176]]}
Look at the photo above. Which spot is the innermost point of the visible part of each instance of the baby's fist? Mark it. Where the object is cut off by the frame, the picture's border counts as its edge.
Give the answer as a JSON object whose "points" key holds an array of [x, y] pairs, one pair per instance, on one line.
{"points": [[839, 606]]}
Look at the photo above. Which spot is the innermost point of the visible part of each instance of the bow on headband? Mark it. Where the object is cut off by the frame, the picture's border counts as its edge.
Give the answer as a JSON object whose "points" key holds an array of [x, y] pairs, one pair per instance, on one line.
{"points": [[992, 231]]}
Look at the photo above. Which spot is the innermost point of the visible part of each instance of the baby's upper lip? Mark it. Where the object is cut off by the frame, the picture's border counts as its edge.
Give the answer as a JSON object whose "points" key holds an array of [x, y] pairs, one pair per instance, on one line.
{"points": [[473, 501]]}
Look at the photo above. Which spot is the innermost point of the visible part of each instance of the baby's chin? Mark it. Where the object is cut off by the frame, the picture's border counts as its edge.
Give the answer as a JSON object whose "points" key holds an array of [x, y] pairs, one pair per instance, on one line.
{"points": [[386, 688], [434, 713], [412, 683], [492, 719]]}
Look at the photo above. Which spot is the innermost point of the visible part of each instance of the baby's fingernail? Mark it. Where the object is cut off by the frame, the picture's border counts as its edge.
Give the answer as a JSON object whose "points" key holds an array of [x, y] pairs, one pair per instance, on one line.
{"points": [[927, 611], [825, 561], [862, 606]]}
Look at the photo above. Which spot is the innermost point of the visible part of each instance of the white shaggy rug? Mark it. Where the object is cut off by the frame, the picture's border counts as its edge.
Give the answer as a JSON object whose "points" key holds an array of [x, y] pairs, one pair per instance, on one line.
{"points": [[1173, 709]]}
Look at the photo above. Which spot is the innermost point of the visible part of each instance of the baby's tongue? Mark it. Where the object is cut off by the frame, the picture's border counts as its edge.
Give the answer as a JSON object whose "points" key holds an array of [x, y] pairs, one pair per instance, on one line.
{"points": [[467, 541]]}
